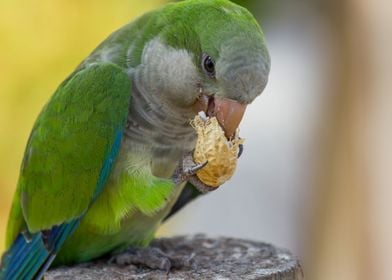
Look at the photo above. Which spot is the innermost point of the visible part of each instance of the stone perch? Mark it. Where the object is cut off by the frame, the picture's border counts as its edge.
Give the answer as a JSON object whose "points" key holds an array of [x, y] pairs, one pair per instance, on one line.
{"points": [[213, 258]]}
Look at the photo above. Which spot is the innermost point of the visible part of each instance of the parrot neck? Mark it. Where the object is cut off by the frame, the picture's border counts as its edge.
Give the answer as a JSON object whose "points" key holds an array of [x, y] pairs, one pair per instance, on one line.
{"points": [[159, 124]]}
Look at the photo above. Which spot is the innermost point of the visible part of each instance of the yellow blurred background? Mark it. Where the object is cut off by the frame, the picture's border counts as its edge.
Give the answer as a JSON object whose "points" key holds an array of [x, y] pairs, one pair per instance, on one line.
{"points": [[315, 173]]}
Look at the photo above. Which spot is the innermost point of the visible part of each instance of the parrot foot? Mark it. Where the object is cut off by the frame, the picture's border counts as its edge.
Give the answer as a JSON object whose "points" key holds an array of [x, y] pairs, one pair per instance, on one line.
{"points": [[187, 169], [193, 170], [153, 258], [200, 186]]}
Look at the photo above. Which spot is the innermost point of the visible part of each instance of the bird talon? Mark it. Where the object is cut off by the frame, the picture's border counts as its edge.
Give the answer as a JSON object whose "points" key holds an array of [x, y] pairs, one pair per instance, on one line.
{"points": [[193, 170], [241, 150], [187, 169]]}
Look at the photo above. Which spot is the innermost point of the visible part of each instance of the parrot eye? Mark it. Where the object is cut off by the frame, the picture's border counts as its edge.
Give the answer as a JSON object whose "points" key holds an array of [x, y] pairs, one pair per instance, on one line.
{"points": [[209, 65]]}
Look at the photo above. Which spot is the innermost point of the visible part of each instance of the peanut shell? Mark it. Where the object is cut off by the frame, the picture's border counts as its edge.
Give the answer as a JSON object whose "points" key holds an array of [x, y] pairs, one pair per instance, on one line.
{"points": [[213, 146]]}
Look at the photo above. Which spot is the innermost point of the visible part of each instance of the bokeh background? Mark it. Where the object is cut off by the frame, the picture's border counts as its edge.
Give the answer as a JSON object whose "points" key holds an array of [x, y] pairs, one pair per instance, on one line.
{"points": [[314, 177]]}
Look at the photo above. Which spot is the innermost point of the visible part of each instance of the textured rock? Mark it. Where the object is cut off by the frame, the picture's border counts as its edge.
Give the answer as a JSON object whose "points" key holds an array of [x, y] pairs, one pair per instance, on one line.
{"points": [[214, 258]]}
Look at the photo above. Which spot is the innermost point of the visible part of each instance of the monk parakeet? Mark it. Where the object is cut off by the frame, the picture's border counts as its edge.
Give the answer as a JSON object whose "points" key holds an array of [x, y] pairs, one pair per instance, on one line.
{"points": [[103, 164]]}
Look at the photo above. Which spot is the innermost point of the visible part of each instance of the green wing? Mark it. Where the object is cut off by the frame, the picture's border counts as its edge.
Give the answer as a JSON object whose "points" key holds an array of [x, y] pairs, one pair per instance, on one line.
{"points": [[72, 139]]}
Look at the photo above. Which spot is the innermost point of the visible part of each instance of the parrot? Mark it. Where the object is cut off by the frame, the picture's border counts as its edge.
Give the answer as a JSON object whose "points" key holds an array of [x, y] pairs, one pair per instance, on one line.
{"points": [[104, 165]]}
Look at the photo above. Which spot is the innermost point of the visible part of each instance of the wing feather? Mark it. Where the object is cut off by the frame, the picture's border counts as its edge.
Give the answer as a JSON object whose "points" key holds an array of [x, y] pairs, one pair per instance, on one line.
{"points": [[67, 162], [72, 146]]}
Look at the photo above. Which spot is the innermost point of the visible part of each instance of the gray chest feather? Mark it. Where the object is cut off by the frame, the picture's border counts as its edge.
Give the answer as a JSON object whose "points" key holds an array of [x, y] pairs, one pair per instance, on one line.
{"points": [[162, 132]]}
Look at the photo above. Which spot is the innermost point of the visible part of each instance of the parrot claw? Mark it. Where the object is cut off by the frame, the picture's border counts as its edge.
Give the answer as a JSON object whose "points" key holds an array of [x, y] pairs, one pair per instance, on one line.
{"points": [[153, 258], [190, 171], [187, 169], [241, 150]]}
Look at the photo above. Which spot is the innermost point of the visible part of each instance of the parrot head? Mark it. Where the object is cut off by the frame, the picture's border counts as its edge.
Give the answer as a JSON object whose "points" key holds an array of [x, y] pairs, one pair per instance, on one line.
{"points": [[209, 55]]}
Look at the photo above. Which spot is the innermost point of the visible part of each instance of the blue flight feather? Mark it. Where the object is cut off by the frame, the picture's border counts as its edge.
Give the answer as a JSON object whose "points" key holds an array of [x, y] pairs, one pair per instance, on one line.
{"points": [[29, 258]]}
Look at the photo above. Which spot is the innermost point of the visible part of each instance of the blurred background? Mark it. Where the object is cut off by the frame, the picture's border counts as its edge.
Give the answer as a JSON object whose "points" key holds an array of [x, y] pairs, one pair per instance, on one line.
{"points": [[314, 177]]}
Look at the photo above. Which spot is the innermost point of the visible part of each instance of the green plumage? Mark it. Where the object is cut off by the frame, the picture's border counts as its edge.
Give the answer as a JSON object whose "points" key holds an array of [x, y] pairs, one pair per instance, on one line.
{"points": [[140, 82], [67, 147]]}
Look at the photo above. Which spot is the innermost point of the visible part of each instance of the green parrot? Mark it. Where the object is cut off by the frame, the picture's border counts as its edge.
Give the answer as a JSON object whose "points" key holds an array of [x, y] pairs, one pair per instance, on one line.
{"points": [[105, 163]]}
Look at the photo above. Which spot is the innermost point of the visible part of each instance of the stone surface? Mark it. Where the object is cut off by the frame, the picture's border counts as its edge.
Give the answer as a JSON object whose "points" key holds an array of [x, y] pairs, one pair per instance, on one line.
{"points": [[213, 258]]}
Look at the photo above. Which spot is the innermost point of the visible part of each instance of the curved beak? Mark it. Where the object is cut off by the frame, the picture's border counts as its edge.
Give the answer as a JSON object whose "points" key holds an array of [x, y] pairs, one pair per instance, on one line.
{"points": [[228, 112]]}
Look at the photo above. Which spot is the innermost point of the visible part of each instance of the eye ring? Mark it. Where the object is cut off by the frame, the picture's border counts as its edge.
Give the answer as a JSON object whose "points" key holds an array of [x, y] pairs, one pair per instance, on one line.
{"points": [[208, 65]]}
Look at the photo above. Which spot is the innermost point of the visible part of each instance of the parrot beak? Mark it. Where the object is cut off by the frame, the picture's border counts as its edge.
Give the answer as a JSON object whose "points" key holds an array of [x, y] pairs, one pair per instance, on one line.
{"points": [[228, 112]]}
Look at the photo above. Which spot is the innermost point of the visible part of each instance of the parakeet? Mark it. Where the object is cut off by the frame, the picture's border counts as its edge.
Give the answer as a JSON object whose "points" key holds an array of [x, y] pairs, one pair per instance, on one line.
{"points": [[103, 166]]}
